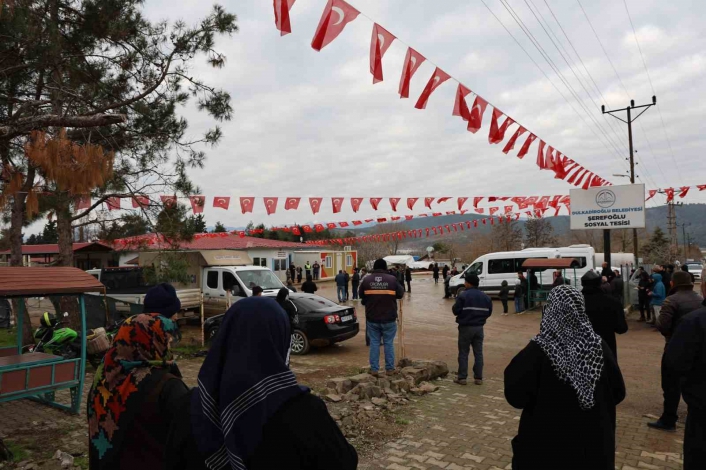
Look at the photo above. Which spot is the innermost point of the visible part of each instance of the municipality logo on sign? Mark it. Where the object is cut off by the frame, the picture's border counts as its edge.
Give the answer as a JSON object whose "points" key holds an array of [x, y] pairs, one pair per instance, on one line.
{"points": [[605, 198]]}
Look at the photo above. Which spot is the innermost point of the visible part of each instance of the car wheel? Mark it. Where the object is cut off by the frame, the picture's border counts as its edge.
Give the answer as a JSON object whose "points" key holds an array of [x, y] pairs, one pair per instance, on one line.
{"points": [[211, 334], [460, 290], [300, 343]]}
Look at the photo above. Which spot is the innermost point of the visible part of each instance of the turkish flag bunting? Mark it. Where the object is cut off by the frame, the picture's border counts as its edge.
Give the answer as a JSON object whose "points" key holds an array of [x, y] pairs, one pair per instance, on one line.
{"points": [[497, 134], [571, 180], [270, 205], [168, 201], [484, 222], [450, 212], [540, 155], [702, 187], [393, 203], [480, 211], [409, 217], [542, 203], [374, 201], [588, 181], [331, 225], [411, 201], [437, 78], [357, 222], [137, 202], [492, 199], [556, 211], [246, 204], [319, 228], [475, 224], [525, 147], [554, 202], [282, 22], [412, 61], [356, 202], [476, 200], [427, 232], [307, 229], [197, 203], [394, 218], [549, 160], [337, 203], [683, 191], [475, 120], [461, 202], [343, 224], [335, 17], [596, 181], [493, 210], [508, 209], [428, 201], [292, 203], [492, 221], [581, 176], [367, 221], [511, 143], [84, 202], [455, 227], [113, 203], [442, 199], [460, 106], [315, 203], [381, 220], [436, 214], [670, 194], [379, 43]]}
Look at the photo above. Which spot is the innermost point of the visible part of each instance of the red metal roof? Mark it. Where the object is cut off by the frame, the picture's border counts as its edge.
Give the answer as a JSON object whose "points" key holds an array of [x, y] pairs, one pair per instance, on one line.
{"points": [[209, 241], [46, 281], [53, 249]]}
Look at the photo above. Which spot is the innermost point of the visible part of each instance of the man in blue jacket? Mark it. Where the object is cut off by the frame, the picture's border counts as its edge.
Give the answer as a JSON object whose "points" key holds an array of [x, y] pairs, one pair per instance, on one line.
{"points": [[657, 296], [472, 309]]}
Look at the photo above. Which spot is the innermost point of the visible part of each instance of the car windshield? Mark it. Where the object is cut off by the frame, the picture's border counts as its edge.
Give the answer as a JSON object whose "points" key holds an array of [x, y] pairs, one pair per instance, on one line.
{"points": [[694, 267], [259, 277], [313, 303]]}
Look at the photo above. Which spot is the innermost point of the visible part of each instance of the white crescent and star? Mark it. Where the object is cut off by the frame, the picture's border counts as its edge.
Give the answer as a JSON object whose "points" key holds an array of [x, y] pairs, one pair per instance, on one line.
{"points": [[413, 61], [436, 81], [381, 41], [341, 15], [220, 201]]}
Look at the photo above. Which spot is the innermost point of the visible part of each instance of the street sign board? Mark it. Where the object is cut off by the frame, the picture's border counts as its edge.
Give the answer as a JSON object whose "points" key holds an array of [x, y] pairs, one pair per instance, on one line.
{"points": [[608, 207]]}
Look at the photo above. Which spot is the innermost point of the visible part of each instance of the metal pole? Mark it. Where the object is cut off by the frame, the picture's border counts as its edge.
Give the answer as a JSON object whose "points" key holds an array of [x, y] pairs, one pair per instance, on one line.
{"points": [[606, 247], [632, 180], [683, 239]]}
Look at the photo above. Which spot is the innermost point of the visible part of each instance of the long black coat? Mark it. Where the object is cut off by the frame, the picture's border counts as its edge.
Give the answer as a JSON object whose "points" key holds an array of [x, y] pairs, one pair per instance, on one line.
{"points": [[606, 315], [555, 433]]}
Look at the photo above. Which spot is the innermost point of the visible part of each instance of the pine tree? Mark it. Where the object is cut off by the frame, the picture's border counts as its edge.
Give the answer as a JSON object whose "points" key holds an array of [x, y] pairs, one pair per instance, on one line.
{"points": [[219, 228]]}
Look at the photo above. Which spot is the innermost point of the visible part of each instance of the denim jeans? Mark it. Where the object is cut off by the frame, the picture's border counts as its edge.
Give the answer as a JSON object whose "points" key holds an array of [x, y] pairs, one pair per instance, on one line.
{"points": [[470, 336], [341, 293], [518, 304], [385, 332]]}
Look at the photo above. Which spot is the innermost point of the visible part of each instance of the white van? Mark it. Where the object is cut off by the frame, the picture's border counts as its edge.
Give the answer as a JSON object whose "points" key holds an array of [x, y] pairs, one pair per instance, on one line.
{"points": [[494, 268]]}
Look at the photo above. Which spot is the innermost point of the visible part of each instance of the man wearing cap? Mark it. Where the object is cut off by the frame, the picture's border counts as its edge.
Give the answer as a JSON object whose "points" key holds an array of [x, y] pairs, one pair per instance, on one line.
{"points": [[472, 309], [604, 311], [683, 300], [379, 292], [162, 299]]}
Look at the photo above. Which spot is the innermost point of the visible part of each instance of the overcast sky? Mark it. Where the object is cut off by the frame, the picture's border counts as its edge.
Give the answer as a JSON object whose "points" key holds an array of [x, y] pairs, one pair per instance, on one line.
{"points": [[310, 123]]}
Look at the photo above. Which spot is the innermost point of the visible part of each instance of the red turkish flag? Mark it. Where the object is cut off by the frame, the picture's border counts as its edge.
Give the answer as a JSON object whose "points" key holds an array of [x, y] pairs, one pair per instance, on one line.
{"points": [[579, 169], [484, 221], [554, 202], [375, 201], [292, 203], [460, 106], [702, 187], [381, 220], [282, 22], [480, 211], [168, 201], [343, 224], [335, 17], [221, 202], [508, 209], [476, 117], [395, 218], [475, 224], [540, 155], [138, 202], [411, 201], [319, 228], [496, 134], [549, 159], [331, 225], [461, 202], [357, 222], [246, 204], [493, 210], [315, 203], [337, 203], [197, 203], [307, 229], [113, 203], [596, 181], [683, 191], [525, 147], [367, 221], [652, 193], [588, 181], [356, 202], [428, 201], [379, 43], [476, 200], [670, 194], [271, 205], [393, 203], [84, 202], [412, 61], [442, 200], [511, 143], [437, 78], [584, 172]]}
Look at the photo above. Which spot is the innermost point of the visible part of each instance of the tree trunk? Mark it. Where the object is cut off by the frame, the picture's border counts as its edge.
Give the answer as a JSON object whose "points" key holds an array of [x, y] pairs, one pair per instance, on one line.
{"points": [[16, 222], [65, 234]]}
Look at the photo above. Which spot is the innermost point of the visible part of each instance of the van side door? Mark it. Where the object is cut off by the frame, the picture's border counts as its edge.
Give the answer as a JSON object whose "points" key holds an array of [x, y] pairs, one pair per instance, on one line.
{"points": [[214, 296]]}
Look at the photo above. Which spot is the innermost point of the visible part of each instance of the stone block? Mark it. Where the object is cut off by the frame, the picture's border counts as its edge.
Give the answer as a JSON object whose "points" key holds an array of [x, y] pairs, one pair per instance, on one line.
{"points": [[418, 375], [361, 378], [340, 384]]}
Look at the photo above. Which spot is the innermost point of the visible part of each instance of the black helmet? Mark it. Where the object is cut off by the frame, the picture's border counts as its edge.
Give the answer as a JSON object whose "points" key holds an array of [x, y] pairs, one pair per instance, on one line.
{"points": [[48, 320]]}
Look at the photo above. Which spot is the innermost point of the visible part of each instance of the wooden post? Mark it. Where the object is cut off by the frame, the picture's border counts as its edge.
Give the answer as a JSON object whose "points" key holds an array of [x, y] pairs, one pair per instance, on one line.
{"points": [[203, 336], [401, 335]]}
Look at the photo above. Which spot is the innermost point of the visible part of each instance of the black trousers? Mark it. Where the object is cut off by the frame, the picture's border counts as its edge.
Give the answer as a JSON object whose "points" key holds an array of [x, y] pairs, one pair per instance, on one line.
{"points": [[671, 389], [409, 286], [695, 440], [504, 302], [644, 303]]}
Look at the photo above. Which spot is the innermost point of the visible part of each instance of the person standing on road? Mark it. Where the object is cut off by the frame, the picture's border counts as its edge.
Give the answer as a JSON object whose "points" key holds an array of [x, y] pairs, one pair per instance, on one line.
{"points": [[445, 271], [309, 287], [299, 275], [685, 358], [520, 284], [683, 301], [293, 272], [307, 268], [447, 286], [657, 296], [607, 272], [685, 268], [379, 292], [504, 295], [617, 286], [408, 278], [567, 384], [340, 285], [603, 311], [348, 280], [435, 271], [317, 268], [643, 298], [666, 273], [355, 280], [472, 309]]}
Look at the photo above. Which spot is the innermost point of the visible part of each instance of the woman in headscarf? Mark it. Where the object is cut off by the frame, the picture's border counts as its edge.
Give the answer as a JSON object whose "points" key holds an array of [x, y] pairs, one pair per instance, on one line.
{"points": [[568, 384], [288, 307], [248, 411], [136, 391]]}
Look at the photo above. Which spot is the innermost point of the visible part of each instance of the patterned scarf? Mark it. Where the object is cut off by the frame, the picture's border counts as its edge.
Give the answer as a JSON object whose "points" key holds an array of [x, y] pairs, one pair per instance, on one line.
{"points": [[244, 380], [125, 377], [567, 338]]}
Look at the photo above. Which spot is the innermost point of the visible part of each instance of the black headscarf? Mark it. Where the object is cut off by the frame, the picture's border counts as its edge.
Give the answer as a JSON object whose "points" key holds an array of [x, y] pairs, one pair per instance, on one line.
{"points": [[244, 380]]}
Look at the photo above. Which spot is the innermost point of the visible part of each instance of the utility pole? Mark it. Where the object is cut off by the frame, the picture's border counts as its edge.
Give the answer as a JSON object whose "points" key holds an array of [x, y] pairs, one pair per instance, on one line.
{"points": [[683, 226], [672, 228], [629, 122]]}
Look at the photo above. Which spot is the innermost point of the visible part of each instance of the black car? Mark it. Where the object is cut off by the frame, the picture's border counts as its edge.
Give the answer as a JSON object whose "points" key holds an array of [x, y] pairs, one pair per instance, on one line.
{"points": [[319, 322]]}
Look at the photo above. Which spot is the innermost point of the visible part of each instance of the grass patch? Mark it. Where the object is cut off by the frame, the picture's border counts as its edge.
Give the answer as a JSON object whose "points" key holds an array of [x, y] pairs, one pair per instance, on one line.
{"points": [[8, 337], [81, 462], [18, 453], [400, 420], [188, 350]]}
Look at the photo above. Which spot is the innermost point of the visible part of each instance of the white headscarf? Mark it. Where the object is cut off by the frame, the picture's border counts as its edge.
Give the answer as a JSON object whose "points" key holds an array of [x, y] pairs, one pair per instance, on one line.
{"points": [[567, 338]]}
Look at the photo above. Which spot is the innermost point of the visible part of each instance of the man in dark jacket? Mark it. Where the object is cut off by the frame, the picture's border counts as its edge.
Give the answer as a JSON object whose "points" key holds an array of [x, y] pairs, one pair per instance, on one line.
{"points": [[355, 280], [348, 279], [603, 310], [435, 271], [408, 278], [607, 272], [379, 292], [683, 301], [340, 285], [617, 285], [686, 358], [472, 309], [445, 271]]}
